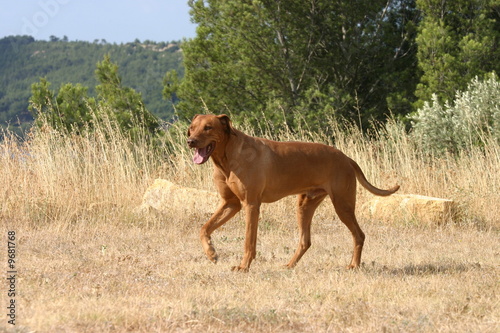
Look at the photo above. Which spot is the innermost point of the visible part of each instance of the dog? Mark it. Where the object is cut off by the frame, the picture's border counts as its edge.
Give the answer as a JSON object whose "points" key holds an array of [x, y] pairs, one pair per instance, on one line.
{"points": [[249, 171]]}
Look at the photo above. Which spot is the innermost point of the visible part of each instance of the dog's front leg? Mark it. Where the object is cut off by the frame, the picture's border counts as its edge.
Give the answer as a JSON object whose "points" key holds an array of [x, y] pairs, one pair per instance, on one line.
{"points": [[252, 221], [226, 210]]}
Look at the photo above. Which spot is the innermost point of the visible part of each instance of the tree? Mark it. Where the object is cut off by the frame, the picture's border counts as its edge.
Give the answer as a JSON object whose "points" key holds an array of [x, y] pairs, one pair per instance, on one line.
{"points": [[125, 104], [73, 111], [75, 108], [42, 104], [280, 58], [457, 41]]}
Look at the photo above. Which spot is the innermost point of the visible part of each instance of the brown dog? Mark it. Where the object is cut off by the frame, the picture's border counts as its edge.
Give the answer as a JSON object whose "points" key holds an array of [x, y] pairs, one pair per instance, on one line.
{"points": [[249, 171]]}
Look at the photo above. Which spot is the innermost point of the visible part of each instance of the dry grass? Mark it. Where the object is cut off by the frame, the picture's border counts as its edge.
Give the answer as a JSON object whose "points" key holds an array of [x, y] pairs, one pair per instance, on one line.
{"points": [[87, 263]]}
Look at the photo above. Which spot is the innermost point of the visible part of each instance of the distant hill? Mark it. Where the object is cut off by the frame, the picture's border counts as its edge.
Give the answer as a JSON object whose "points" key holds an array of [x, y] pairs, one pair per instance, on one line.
{"points": [[23, 61]]}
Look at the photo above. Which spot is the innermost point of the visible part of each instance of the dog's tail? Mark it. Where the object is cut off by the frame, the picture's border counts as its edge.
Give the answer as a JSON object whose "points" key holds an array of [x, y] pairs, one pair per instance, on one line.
{"points": [[362, 180]]}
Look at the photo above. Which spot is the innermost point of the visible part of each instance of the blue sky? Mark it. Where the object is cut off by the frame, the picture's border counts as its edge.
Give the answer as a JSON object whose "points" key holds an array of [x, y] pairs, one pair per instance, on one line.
{"points": [[116, 21]]}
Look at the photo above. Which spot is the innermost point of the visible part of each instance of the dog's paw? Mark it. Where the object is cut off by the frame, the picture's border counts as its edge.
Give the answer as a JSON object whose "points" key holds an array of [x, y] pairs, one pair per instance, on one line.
{"points": [[213, 257], [211, 253], [240, 269]]}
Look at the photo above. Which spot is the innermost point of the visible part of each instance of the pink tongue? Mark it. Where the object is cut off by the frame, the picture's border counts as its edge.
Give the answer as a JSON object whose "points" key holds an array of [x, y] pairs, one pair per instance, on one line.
{"points": [[199, 155]]}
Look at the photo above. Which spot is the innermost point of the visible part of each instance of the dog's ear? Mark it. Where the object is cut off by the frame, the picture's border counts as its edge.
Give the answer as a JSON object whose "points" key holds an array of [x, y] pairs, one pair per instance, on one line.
{"points": [[226, 123]]}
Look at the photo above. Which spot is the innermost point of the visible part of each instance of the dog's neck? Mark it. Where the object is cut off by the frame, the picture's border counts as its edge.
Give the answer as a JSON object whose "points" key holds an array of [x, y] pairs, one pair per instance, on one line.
{"points": [[221, 156]]}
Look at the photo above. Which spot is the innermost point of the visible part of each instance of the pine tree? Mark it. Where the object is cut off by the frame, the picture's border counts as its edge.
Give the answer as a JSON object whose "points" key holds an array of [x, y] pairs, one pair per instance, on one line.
{"points": [[282, 58], [73, 111], [457, 41], [125, 104]]}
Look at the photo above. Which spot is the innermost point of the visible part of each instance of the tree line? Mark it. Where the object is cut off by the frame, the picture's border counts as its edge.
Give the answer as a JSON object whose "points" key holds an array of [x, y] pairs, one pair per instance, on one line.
{"points": [[24, 60], [285, 63], [359, 60]]}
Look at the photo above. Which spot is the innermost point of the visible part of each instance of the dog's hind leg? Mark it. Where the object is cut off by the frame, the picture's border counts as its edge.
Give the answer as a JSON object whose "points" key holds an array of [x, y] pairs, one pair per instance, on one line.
{"points": [[345, 203], [306, 206]]}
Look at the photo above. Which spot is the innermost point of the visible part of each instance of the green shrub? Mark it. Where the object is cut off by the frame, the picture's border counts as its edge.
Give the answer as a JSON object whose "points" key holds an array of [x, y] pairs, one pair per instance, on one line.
{"points": [[73, 111], [470, 121]]}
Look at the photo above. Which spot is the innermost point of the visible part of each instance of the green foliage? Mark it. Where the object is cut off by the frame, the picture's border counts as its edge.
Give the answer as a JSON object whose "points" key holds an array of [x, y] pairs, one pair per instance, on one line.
{"points": [[72, 111], [125, 103], [472, 120], [23, 61], [282, 62], [310, 59], [42, 99], [75, 106], [457, 41]]}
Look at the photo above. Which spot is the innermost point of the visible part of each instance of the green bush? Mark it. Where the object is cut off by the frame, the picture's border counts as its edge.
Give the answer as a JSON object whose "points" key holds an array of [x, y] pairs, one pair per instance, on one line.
{"points": [[470, 121], [73, 111]]}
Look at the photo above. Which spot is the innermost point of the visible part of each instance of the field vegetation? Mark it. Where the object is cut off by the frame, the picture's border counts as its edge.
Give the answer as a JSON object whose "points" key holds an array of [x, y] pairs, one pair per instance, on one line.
{"points": [[407, 88], [88, 262]]}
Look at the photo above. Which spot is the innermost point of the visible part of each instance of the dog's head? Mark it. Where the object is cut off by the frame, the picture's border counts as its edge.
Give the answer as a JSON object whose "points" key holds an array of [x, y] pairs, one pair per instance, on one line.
{"points": [[206, 132]]}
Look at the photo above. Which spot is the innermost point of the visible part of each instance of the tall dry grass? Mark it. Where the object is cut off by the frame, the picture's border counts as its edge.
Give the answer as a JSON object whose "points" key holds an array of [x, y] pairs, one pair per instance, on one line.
{"points": [[89, 263], [53, 177], [56, 178]]}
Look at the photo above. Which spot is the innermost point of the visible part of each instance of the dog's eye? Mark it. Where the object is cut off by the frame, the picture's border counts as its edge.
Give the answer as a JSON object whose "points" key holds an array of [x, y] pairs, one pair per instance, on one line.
{"points": [[207, 128]]}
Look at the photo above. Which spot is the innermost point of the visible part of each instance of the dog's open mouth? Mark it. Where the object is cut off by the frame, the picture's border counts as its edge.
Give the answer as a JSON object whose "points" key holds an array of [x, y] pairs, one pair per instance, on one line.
{"points": [[201, 155]]}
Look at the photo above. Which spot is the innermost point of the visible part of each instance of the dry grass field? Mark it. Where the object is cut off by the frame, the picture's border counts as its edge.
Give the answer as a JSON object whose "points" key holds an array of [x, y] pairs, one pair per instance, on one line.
{"points": [[86, 261]]}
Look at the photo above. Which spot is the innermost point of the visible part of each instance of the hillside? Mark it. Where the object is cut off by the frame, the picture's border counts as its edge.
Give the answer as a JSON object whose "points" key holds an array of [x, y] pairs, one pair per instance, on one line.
{"points": [[23, 61]]}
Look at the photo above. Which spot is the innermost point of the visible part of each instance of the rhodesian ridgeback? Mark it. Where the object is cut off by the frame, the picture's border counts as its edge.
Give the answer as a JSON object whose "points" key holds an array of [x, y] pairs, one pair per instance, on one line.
{"points": [[249, 171]]}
